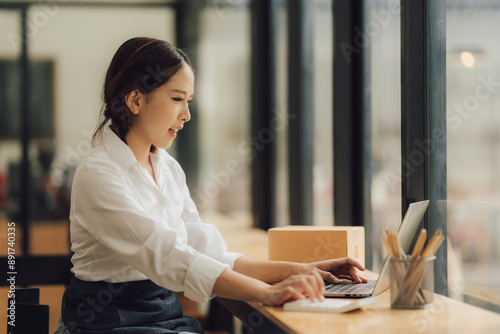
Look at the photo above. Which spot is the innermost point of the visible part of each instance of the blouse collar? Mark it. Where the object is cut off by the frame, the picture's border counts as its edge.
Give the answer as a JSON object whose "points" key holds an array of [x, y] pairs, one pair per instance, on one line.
{"points": [[118, 150]]}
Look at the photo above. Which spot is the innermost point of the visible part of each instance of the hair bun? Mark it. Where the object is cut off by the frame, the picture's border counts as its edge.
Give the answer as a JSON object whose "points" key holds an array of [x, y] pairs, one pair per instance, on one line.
{"points": [[107, 111]]}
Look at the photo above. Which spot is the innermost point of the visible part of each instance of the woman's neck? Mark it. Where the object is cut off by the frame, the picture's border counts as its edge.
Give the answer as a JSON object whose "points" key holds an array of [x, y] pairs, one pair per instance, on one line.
{"points": [[141, 151]]}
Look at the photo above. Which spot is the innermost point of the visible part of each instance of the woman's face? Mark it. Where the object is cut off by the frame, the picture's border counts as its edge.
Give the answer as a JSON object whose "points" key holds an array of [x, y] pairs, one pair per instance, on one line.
{"points": [[165, 110]]}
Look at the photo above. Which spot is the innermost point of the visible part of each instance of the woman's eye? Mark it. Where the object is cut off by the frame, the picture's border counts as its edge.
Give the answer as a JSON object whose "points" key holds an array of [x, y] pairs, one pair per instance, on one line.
{"points": [[190, 101], [178, 99]]}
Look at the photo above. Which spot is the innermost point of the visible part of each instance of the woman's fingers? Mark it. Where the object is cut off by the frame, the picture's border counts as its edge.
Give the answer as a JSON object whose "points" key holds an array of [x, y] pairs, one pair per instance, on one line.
{"points": [[284, 295], [339, 266], [297, 287], [344, 268], [329, 277], [320, 285], [311, 284]]}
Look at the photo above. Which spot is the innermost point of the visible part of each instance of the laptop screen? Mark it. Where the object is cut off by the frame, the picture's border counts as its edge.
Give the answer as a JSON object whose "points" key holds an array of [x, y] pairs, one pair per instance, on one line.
{"points": [[407, 231]]}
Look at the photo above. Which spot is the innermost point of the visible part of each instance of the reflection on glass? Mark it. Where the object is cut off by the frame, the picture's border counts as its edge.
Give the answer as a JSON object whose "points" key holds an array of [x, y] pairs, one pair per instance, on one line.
{"points": [[467, 59], [473, 251], [473, 151]]}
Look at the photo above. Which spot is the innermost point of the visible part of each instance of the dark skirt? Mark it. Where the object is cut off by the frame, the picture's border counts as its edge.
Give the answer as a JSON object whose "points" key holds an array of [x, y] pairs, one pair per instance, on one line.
{"points": [[139, 307]]}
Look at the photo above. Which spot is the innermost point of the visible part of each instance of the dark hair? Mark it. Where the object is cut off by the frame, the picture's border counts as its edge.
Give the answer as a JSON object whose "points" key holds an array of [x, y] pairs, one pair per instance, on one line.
{"points": [[140, 63]]}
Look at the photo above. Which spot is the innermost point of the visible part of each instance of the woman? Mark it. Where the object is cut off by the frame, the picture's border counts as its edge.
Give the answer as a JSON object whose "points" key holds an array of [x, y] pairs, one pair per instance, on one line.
{"points": [[135, 231]]}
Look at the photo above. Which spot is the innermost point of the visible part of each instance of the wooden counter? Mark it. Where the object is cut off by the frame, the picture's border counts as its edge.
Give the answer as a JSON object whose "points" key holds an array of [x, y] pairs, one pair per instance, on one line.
{"points": [[445, 316]]}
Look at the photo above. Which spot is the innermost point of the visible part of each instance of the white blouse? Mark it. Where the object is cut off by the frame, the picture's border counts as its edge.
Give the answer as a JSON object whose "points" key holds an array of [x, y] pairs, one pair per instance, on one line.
{"points": [[125, 227]]}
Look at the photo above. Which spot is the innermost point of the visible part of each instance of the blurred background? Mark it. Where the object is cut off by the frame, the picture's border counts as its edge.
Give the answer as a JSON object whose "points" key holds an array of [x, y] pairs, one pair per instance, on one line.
{"points": [[70, 44]]}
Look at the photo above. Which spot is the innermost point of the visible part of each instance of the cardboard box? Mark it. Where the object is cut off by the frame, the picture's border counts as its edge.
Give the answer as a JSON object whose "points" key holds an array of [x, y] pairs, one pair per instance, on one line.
{"points": [[315, 243]]}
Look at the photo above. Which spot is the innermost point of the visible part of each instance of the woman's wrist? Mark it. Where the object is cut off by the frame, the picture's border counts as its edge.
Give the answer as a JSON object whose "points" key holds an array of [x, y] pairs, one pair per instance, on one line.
{"points": [[304, 268], [231, 284], [262, 293]]}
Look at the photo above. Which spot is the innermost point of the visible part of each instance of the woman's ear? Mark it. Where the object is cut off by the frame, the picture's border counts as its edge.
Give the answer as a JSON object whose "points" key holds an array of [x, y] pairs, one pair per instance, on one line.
{"points": [[133, 101]]}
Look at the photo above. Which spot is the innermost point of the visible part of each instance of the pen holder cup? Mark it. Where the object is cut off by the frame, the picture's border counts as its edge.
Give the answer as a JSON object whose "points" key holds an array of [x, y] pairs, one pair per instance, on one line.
{"points": [[412, 283]]}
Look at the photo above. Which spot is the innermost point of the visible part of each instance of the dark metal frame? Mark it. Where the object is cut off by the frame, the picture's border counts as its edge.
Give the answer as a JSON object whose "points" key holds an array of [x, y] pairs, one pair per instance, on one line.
{"points": [[423, 116], [263, 128], [188, 18], [25, 182], [352, 120], [300, 109]]}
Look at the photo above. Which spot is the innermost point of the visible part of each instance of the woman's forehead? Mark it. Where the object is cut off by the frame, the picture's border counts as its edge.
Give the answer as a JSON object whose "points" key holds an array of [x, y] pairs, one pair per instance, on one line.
{"points": [[182, 81]]}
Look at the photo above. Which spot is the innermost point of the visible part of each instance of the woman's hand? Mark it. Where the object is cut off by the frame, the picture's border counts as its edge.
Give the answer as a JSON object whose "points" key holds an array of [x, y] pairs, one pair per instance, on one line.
{"points": [[333, 270], [295, 287], [251, 279]]}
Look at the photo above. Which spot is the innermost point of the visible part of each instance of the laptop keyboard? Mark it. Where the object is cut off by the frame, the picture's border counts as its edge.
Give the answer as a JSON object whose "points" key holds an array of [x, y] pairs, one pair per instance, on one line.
{"points": [[351, 288]]}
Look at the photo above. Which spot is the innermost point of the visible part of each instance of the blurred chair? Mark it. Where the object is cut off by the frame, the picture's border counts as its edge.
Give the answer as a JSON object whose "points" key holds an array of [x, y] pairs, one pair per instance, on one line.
{"points": [[34, 271], [29, 317]]}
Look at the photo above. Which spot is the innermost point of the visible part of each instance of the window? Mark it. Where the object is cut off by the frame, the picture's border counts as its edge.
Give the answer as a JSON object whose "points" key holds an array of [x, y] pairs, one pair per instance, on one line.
{"points": [[323, 122], [473, 151], [386, 122], [224, 105]]}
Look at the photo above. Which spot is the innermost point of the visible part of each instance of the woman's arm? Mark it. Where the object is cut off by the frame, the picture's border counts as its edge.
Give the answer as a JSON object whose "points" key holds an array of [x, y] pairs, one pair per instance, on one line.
{"points": [[249, 279], [268, 271], [277, 271], [234, 285]]}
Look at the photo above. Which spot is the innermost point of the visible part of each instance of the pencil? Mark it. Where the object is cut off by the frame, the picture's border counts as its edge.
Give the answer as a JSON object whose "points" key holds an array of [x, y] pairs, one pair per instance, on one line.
{"points": [[409, 279], [419, 245]]}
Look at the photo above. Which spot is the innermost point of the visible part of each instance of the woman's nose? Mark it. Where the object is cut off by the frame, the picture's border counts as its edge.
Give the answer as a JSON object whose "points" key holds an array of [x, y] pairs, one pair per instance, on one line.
{"points": [[186, 115]]}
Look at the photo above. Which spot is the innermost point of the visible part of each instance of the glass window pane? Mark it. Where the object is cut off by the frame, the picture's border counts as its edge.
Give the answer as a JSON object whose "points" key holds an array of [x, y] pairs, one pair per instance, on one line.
{"points": [[473, 151], [10, 149], [282, 208], [224, 109], [384, 25], [323, 113]]}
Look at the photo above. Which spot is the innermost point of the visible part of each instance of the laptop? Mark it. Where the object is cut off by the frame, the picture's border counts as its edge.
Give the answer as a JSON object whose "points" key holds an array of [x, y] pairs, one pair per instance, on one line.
{"points": [[406, 233]]}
